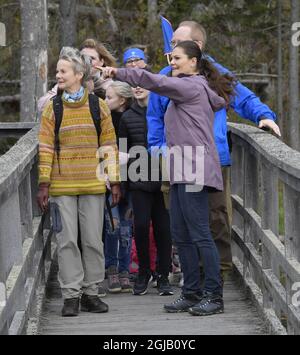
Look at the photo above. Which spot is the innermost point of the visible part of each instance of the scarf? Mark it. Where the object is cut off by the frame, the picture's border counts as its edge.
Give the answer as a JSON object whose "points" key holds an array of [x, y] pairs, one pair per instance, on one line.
{"points": [[76, 96]]}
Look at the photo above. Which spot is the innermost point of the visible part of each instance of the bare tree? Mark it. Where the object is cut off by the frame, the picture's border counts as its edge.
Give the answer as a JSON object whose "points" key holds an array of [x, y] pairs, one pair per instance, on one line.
{"points": [[34, 58], [68, 22], [294, 81]]}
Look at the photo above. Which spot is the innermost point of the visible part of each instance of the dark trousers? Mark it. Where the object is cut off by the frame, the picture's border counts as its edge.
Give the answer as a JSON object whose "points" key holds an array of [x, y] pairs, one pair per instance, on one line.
{"points": [[190, 230], [220, 217], [147, 207]]}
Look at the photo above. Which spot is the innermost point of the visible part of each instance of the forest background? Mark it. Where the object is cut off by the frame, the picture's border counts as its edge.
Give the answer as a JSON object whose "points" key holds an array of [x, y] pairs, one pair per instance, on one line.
{"points": [[250, 37]]}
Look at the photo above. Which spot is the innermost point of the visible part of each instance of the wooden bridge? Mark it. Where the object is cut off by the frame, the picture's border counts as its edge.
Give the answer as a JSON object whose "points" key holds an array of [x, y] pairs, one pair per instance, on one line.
{"points": [[261, 297]]}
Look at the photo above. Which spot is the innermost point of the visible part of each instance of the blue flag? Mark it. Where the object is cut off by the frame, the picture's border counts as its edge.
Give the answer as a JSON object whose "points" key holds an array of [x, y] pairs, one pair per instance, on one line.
{"points": [[167, 33]]}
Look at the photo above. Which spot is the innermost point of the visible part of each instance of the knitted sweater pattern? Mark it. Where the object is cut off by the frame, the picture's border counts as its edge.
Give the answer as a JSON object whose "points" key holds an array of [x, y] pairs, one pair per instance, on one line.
{"points": [[77, 170]]}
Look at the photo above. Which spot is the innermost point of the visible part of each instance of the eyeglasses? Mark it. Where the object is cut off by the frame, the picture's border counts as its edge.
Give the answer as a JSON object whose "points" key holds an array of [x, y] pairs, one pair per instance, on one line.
{"points": [[130, 61]]}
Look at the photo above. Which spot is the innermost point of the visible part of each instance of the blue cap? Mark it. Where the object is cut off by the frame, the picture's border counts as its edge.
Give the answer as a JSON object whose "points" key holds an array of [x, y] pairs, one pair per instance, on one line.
{"points": [[132, 53]]}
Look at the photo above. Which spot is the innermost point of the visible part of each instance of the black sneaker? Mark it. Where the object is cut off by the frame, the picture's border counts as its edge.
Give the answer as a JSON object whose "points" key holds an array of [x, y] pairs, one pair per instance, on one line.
{"points": [[71, 307], [210, 304], [182, 304], [141, 284], [93, 304], [163, 286]]}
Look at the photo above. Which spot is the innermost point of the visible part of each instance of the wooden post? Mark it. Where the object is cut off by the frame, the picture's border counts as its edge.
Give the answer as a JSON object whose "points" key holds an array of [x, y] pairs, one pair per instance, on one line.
{"points": [[237, 171], [270, 213], [34, 59], [26, 208], [34, 189], [292, 222], [11, 235], [251, 180]]}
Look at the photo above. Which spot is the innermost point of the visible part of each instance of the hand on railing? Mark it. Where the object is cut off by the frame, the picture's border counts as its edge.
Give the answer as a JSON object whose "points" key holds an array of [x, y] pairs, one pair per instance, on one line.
{"points": [[42, 196], [267, 124]]}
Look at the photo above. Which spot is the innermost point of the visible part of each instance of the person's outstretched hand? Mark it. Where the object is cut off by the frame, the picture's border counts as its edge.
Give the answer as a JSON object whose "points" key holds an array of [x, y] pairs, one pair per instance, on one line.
{"points": [[108, 72]]}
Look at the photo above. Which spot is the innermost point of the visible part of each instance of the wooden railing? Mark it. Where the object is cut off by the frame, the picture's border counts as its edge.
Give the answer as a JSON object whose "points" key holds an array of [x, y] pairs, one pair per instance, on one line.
{"points": [[266, 230], [25, 254], [266, 224], [15, 129]]}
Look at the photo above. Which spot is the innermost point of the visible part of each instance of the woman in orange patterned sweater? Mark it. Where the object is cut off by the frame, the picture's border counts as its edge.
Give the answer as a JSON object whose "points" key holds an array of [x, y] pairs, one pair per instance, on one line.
{"points": [[68, 173]]}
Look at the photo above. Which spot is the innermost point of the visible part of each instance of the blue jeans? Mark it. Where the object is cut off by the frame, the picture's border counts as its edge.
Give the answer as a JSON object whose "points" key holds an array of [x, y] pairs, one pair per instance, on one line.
{"points": [[118, 242], [190, 230]]}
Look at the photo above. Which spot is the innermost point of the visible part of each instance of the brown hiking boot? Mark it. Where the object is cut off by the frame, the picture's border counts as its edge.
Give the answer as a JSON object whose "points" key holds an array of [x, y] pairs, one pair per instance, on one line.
{"points": [[114, 285], [125, 282]]}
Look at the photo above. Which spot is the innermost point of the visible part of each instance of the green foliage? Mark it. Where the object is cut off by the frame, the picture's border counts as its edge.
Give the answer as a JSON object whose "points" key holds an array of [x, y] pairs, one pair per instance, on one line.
{"points": [[241, 33]]}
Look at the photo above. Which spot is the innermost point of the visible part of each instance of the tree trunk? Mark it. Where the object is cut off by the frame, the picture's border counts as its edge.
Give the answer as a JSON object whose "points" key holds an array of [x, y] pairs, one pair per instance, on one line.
{"points": [[68, 22], [294, 82], [34, 57], [279, 67], [2, 34], [152, 14]]}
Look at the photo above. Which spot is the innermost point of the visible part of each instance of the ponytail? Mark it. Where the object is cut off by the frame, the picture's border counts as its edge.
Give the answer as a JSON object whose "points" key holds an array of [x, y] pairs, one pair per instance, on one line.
{"points": [[223, 84]]}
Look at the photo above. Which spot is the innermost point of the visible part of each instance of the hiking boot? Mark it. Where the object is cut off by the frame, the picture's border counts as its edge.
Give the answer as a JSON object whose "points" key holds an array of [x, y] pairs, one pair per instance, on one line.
{"points": [[182, 304], [101, 290], [163, 286], [141, 284], [93, 304], [210, 304], [124, 282], [114, 285], [71, 307]]}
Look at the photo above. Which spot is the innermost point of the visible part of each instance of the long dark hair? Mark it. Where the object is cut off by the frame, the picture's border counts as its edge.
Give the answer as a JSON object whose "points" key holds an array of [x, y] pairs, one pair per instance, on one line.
{"points": [[223, 85]]}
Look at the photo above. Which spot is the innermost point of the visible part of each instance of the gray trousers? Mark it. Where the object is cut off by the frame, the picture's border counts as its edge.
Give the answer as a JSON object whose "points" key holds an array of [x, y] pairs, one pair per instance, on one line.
{"points": [[80, 270]]}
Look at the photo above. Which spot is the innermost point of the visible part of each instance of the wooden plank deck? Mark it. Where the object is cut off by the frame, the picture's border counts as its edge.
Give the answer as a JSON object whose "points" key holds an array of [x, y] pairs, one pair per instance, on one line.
{"points": [[135, 315]]}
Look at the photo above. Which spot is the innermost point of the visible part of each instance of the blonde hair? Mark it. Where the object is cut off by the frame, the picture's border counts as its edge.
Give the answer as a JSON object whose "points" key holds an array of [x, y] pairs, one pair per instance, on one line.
{"points": [[81, 63], [108, 58], [198, 32], [123, 90]]}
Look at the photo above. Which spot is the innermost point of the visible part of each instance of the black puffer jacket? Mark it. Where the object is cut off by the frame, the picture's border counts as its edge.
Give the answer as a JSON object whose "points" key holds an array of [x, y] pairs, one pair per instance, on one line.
{"points": [[133, 126]]}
